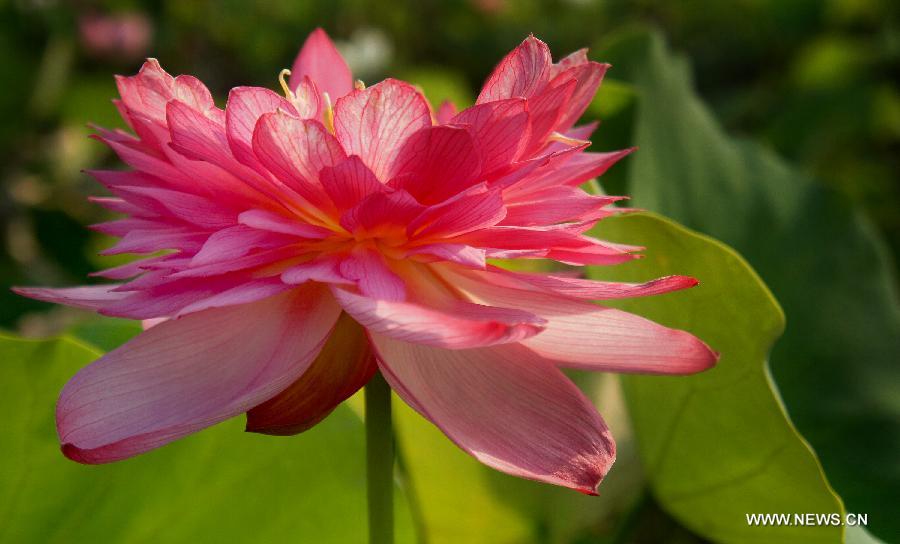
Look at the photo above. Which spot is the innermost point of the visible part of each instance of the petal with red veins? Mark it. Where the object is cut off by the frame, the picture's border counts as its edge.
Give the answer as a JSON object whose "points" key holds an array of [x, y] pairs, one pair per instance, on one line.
{"points": [[592, 337], [576, 169], [244, 108], [344, 365], [587, 289], [522, 73], [295, 150], [372, 275], [456, 325], [589, 75], [438, 162], [382, 212], [320, 60], [468, 256], [500, 130], [237, 241], [473, 209], [555, 205], [200, 211], [373, 123], [507, 407], [226, 361], [308, 99], [445, 112], [269, 221], [325, 269], [545, 110], [348, 182]]}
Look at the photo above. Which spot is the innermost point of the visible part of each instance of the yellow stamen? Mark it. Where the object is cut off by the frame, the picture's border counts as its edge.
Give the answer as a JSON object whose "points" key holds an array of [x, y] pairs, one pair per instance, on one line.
{"points": [[359, 85], [328, 114], [284, 86], [563, 139]]}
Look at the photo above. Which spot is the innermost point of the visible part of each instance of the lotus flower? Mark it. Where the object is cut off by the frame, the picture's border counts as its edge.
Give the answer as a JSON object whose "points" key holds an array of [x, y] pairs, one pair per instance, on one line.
{"points": [[298, 244]]}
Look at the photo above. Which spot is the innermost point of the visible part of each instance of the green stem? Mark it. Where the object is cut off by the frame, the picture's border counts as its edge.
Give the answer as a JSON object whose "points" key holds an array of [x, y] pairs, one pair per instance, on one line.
{"points": [[379, 461]]}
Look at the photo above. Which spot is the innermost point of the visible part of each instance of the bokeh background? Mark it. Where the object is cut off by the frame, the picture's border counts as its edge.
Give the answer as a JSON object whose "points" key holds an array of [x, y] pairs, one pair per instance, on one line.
{"points": [[811, 84]]}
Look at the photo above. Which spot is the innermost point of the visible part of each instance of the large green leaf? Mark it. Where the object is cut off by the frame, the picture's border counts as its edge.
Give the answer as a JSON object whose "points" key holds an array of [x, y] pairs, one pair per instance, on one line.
{"points": [[837, 363], [220, 485], [717, 445]]}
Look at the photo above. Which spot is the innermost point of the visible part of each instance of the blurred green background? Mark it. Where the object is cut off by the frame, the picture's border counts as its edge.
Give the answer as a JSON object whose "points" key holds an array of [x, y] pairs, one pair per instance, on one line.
{"points": [[814, 82]]}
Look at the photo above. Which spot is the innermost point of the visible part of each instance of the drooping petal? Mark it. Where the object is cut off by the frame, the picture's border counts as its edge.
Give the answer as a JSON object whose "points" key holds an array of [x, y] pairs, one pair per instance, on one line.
{"points": [[507, 407], [225, 360], [343, 366], [592, 337], [521, 73], [320, 60], [456, 326], [373, 123]]}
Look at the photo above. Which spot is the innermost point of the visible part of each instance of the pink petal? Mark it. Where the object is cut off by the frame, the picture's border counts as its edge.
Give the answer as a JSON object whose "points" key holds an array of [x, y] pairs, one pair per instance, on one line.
{"points": [[574, 171], [467, 256], [295, 150], [545, 110], [320, 60], [458, 326], [88, 297], [343, 366], [233, 242], [373, 123], [473, 209], [128, 270], [382, 212], [505, 406], [373, 276], [591, 289], [438, 162], [588, 75], [186, 207], [325, 269], [445, 112], [308, 99], [187, 374], [265, 220], [588, 336], [244, 108], [348, 182], [554, 205], [521, 74], [247, 292], [500, 130], [154, 294]]}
